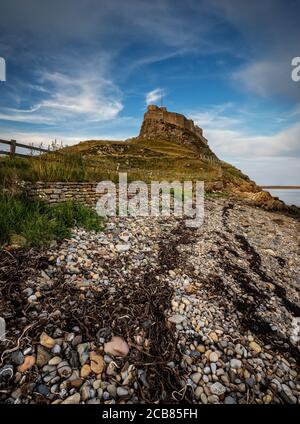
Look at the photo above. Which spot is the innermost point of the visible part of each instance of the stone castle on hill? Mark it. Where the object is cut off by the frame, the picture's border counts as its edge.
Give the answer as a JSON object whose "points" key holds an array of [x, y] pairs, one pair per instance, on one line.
{"points": [[162, 115], [160, 124]]}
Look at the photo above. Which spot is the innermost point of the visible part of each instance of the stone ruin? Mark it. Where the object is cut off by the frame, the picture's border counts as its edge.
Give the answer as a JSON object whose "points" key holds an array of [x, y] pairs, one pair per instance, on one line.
{"points": [[156, 115]]}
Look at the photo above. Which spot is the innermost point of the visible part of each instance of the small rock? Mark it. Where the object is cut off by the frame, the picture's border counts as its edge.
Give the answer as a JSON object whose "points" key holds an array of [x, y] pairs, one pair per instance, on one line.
{"points": [[42, 390], [64, 369], [235, 363], [112, 390], [55, 360], [43, 356], [111, 369], [85, 371], [47, 341], [229, 400], [122, 392], [28, 292], [213, 336], [32, 298], [6, 372], [116, 347], [213, 357], [74, 399], [196, 377], [29, 361], [97, 362], [213, 367], [177, 319], [255, 347], [288, 394], [97, 384], [217, 389], [198, 392], [85, 393], [203, 398], [122, 247], [56, 349], [76, 383], [17, 357], [83, 352]]}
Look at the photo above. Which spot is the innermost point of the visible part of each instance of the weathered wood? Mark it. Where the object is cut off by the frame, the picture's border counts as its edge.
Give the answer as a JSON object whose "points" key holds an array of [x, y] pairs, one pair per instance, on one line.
{"points": [[38, 149], [12, 148], [14, 144]]}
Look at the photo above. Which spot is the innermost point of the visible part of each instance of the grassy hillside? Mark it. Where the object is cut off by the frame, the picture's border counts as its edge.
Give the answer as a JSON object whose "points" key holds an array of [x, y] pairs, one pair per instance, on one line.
{"points": [[145, 160]]}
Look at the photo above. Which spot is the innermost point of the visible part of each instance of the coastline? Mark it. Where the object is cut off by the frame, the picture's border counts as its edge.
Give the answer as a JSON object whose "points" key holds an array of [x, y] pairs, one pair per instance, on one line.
{"points": [[220, 302]]}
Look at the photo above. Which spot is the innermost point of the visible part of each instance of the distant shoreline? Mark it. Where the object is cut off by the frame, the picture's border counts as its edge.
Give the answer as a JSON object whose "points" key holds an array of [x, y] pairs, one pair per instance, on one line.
{"points": [[275, 187]]}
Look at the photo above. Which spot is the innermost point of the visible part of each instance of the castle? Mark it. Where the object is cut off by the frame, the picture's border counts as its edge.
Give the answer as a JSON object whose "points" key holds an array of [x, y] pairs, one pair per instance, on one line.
{"points": [[160, 114]]}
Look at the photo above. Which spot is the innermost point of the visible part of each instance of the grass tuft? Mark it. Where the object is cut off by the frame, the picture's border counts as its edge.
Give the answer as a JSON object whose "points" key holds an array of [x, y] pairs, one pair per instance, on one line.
{"points": [[37, 224]]}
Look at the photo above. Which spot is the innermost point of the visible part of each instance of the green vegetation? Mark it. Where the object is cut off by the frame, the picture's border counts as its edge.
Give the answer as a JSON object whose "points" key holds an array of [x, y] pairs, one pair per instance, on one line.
{"points": [[31, 223], [217, 194], [97, 160], [142, 159]]}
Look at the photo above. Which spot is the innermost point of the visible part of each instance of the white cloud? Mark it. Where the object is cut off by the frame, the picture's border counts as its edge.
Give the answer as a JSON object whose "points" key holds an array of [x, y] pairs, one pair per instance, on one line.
{"points": [[227, 136], [240, 144], [154, 95], [86, 96], [267, 78]]}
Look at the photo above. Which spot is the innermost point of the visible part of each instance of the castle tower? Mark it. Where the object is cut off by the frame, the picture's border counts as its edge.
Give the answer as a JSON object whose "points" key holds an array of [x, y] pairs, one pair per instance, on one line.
{"points": [[157, 116]]}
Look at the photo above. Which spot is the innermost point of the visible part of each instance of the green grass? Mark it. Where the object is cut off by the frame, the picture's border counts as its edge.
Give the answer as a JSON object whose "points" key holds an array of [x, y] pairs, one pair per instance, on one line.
{"points": [[36, 224], [143, 160], [212, 195]]}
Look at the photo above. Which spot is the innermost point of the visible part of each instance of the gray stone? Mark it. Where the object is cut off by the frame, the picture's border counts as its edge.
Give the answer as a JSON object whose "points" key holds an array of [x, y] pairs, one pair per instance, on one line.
{"points": [[64, 369], [6, 372], [177, 319], [217, 389], [196, 377], [229, 400], [122, 392], [112, 390], [235, 363], [17, 357], [83, 352], [288, 394], [56, 349], [42, 390]]}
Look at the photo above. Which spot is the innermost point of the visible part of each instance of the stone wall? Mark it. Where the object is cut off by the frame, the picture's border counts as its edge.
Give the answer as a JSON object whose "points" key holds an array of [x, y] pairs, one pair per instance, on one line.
{"points": [[83, 192], [56, 192]]}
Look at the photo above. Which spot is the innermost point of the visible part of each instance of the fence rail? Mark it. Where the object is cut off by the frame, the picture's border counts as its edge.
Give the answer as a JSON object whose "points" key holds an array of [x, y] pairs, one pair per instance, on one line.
{"points": [[13, 146]]}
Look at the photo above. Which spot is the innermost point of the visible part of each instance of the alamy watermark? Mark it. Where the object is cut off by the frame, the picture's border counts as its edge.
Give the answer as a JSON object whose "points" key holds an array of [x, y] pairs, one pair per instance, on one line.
{"points": [[296, 69], [139, 199], [2, 69]]}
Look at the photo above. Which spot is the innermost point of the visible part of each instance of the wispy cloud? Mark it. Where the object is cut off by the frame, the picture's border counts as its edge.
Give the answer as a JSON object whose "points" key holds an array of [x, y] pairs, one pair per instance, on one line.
{"points": [[87, 96], [154, 95]]}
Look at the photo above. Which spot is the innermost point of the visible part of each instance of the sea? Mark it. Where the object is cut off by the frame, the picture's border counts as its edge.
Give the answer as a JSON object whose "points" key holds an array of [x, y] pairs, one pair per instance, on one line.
{"points": [[289, 196]]}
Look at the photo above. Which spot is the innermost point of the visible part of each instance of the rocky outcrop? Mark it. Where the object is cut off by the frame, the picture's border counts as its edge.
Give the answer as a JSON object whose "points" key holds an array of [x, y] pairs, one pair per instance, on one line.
{"points": [[160, 124]]}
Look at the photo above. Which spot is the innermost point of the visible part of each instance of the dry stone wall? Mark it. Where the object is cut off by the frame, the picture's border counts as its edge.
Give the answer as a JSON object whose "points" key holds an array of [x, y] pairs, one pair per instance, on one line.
{"points": [[56, 192], [82, 192]]}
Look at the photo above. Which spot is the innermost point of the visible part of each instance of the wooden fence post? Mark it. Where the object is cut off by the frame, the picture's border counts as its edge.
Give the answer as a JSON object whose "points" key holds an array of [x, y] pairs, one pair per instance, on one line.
{"points": [[12, 148]]}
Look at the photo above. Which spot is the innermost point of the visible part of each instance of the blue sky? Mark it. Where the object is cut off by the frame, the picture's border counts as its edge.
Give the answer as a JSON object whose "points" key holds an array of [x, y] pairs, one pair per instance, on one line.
{"points": [[80, 70]]}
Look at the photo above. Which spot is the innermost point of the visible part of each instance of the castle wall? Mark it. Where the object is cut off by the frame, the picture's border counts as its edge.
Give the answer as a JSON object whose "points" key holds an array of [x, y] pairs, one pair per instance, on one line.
{"points": [[156, 113]]}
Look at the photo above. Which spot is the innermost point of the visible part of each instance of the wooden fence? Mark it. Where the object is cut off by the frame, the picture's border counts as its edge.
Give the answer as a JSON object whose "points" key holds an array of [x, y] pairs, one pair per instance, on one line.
{"points": [[13, 147]]}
